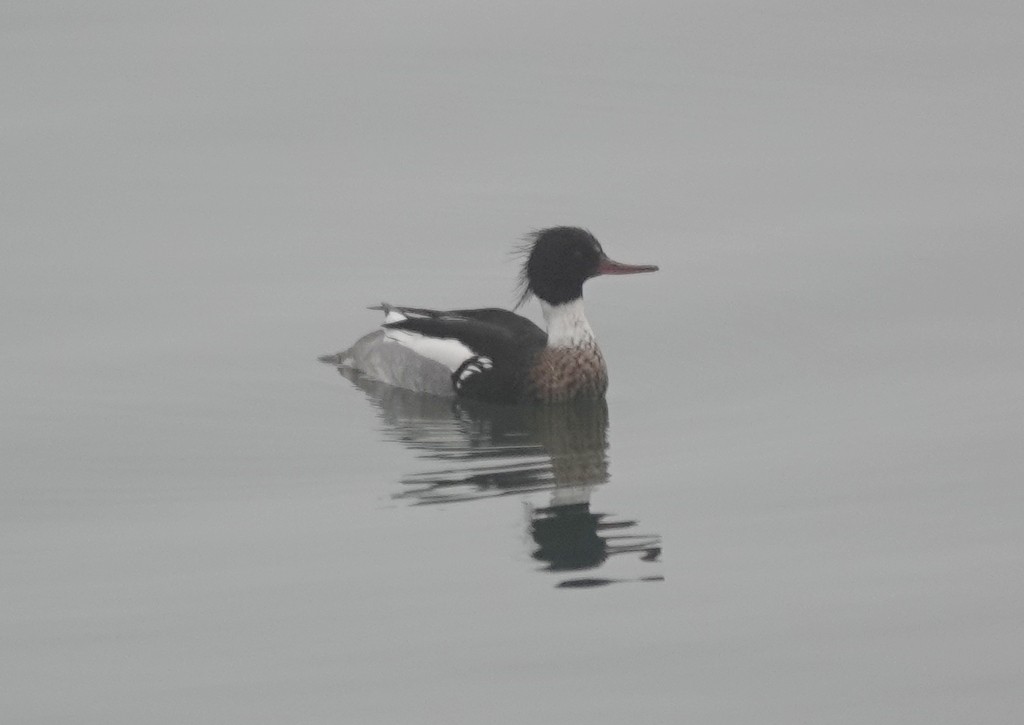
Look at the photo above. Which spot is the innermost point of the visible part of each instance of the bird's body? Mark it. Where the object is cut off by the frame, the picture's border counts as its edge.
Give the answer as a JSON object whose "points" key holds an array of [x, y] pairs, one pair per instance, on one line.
{"points": [[494, 354]]}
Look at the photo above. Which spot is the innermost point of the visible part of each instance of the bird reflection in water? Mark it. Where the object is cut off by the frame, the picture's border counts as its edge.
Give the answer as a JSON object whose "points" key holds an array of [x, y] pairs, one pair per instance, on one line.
{"points": [[486, 450]]}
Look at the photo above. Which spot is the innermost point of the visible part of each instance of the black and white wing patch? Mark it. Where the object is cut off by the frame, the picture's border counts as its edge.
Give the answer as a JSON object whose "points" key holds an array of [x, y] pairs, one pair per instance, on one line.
{"points": [[404, 326], [484, 349], [470, 371]]}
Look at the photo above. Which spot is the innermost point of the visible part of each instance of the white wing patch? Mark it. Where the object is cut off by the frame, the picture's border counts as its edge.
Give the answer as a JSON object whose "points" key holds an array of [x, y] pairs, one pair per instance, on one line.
{"points": [[448, 351]]}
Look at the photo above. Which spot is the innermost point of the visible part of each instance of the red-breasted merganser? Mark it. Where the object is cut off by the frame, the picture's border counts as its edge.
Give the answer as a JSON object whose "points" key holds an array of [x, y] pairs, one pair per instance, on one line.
{"points": [[493, 354]]}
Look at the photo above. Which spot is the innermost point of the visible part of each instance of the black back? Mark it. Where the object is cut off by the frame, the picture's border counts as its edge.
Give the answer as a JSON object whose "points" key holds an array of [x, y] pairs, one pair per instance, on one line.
{"points": [[504, 346]]}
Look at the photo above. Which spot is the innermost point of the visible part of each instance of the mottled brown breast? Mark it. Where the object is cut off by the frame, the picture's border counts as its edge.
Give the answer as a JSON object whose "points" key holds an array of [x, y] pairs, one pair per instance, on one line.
{"points": [[560, 374]]}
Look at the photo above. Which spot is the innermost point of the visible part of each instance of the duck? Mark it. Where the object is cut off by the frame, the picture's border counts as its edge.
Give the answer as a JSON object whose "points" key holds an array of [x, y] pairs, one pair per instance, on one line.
{"points": [[493, 354]]}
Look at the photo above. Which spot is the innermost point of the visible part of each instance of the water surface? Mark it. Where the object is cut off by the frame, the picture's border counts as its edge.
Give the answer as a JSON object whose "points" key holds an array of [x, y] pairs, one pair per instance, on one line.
{"points": [[801, 503]]}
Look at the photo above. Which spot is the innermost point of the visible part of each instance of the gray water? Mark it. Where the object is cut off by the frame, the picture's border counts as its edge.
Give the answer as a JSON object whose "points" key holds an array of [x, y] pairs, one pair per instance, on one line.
{"points": [[803, 500]]}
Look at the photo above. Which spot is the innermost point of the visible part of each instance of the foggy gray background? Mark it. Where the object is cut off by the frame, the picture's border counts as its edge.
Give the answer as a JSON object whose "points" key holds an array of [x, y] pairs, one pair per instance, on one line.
{"points": [[817, 402]]}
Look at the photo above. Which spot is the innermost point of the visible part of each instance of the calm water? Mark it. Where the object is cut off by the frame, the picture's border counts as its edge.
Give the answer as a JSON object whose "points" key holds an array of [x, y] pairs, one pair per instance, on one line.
{"points": [[801, 503]]}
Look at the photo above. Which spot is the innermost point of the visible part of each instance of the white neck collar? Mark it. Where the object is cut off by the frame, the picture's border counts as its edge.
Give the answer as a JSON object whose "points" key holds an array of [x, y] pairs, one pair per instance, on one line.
{"points": [[567, 325]]}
